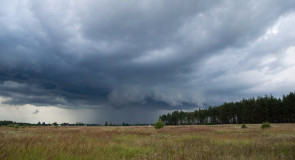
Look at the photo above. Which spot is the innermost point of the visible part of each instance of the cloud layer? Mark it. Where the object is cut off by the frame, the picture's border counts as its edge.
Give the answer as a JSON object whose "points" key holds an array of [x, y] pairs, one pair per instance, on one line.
{"points": [[147, 54]]}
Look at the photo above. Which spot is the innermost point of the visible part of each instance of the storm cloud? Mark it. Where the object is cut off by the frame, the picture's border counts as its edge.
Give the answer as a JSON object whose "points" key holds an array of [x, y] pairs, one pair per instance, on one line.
{"points": [[146, 54]]}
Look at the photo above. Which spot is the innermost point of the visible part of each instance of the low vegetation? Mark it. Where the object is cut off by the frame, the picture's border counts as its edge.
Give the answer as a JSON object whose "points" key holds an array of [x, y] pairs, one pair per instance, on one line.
{"points": [[135, 142], [265, 125], [243, 126]]}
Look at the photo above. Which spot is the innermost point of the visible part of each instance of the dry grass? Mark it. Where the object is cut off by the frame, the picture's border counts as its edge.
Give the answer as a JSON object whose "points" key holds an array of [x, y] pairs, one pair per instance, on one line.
{"points": [[173, 142]]}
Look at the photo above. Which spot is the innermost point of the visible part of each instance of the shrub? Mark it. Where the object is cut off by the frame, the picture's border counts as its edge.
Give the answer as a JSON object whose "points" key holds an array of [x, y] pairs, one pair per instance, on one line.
{"points": [[10, 125], [159, 124], [54, 124], [265, 125], [243, 126], [16, 126]]}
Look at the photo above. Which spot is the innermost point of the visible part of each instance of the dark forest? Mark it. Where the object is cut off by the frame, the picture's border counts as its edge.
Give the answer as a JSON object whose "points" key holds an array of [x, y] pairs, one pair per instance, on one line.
{"points": [[262, 109]]}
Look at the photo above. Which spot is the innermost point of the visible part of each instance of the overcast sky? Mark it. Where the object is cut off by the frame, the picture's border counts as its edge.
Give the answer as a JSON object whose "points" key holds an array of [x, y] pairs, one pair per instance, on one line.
{"points": [[129, 61]]}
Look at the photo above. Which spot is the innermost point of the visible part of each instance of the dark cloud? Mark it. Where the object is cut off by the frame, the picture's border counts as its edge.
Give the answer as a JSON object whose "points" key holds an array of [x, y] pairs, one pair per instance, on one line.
{"points": [[35, 112], [150, 54]]}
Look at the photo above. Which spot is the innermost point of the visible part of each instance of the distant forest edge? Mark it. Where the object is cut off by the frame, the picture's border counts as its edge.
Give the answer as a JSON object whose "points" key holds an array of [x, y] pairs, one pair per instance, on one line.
{"points": [[261, 109]]}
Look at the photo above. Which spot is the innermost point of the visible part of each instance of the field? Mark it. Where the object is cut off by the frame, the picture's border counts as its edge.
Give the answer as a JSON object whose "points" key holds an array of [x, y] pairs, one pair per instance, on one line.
{"points": [[170, 142]]}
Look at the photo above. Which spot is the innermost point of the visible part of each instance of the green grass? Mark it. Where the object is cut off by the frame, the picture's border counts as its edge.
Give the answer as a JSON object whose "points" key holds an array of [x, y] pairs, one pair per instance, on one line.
{"points": [[170, 142]]}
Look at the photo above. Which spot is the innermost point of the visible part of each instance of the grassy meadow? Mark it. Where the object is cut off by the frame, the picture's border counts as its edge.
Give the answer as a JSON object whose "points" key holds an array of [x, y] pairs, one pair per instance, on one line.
{"points": [[170, 142]]}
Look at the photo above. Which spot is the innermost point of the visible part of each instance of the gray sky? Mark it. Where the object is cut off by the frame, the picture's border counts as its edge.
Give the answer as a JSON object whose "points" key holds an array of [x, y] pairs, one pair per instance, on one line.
{"points": [[109, 60]]}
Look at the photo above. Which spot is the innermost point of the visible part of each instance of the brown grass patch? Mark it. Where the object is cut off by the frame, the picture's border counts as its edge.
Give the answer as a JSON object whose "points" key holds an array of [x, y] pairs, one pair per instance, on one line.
{"points": [[170, 142]]}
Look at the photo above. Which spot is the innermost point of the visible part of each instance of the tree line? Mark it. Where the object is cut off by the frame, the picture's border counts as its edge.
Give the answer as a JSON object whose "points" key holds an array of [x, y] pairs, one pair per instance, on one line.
{"points": [[11, 123], [262, 109]]}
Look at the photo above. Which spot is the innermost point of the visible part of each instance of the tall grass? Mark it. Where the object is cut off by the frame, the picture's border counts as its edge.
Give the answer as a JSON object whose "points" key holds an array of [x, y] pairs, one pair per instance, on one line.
{"points": [[171, 142]]}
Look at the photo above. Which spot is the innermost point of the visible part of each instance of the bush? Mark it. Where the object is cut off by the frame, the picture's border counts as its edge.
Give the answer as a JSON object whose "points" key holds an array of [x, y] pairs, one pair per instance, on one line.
{"points": [[10, 125], [55, 124], [243, 126], [159, 124], [265, 125]]}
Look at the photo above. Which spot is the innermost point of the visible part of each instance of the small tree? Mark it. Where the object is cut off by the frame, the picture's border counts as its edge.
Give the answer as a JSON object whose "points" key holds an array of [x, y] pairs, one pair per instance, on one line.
{"points": [[159, 124], [55, 124]]}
